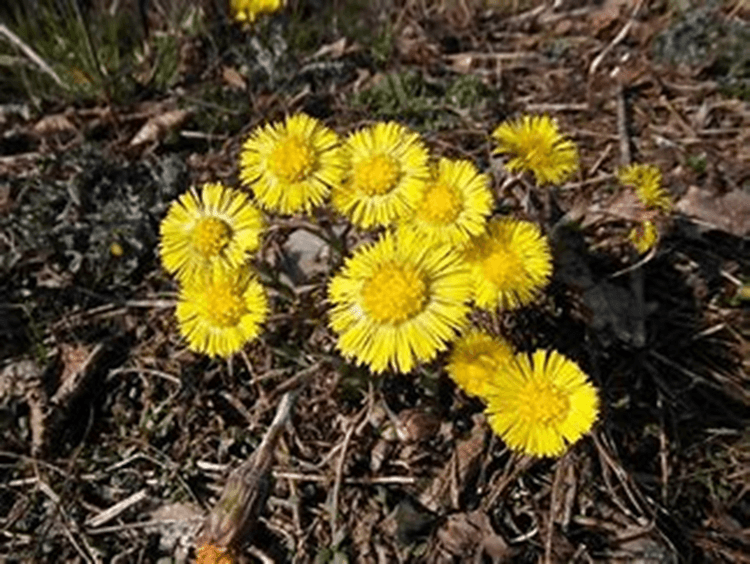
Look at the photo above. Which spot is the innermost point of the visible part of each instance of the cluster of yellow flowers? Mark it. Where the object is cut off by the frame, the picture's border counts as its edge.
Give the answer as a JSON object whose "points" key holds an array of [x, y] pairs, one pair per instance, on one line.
{"points": [[205, 240], [646, 181], [538, 403], [400, 300]]}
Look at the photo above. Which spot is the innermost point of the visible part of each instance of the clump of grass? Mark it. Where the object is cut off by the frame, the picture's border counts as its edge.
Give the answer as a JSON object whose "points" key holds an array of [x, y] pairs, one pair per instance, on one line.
{"points": [[96, 55]]}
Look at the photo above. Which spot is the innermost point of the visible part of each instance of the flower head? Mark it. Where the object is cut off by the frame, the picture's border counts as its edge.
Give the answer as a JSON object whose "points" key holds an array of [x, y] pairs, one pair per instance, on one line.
{"points": [[221, 311], [218, 226], [455, 204], [386, 175], [398, 301], [292, 165], [249, 10], [510, 263], [476, 360], [212, 554], [646, 181], [644, 236], [537, 146], [542, 404]]}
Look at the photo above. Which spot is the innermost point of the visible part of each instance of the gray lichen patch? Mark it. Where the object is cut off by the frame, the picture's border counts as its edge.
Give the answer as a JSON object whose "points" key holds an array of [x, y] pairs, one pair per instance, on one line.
{"points": [[718, 48]]}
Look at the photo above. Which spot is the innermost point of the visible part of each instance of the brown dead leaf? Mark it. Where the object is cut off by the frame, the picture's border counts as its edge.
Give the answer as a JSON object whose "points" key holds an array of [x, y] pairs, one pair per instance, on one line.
{"points": [[415, 425], [77, 364], [608, 12], [462, 63], [470, 537], [625, 205], [233, 78], [414, 46], [5, 200], [334, 50], [54, 124], [158, 126], [73, 358], [445, 489], [729, 212], [606, 306]]}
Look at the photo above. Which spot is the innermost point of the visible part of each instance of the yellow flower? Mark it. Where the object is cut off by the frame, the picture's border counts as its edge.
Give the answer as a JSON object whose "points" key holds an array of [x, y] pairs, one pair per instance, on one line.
{"points": [[386, 176], [219, 226], [477, 359], [644, 236], [249, 10], [542, 404], [292, 165], [398, 301], [509, 264], [212, 554], [221, 311], [646, 181], [537, 146], [454, 206]]}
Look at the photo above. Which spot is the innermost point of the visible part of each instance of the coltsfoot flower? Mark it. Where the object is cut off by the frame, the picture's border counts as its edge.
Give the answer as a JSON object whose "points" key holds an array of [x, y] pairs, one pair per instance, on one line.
{"points": [[387, 172], [291, 166], [249, 10], [647, 182], [537, 146], [542, 404], [644, 236], [399, 301], [221, 311], [216, 226], [509, 264], [477, 359], [455, 204]]}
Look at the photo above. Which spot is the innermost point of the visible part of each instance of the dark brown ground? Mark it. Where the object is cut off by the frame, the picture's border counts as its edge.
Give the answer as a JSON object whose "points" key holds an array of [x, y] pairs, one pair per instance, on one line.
{"points": [[101, 404]]}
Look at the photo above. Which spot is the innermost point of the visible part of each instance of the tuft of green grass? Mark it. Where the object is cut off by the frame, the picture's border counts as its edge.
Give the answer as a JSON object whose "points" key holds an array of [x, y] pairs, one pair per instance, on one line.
{"points": [[97, 55]]}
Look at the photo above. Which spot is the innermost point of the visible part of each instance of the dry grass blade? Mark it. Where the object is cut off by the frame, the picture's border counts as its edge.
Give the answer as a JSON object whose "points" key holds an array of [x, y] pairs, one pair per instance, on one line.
{"points": [[31, 54]]}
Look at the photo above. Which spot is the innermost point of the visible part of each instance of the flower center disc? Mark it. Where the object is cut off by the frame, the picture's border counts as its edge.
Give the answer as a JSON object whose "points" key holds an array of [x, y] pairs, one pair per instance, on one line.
{"points": [[224, 304], [441, 204], [543, 403], [394, 293], [536, 150], [378, 175], [504, 268], [211, 235], [292, 159]]}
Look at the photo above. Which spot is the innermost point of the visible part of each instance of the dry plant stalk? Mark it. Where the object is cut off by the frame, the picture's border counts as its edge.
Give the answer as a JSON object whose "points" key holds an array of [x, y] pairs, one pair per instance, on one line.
{"points": [[245, 491]]}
